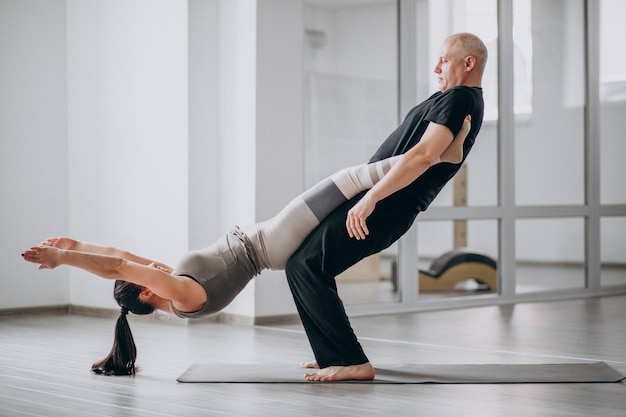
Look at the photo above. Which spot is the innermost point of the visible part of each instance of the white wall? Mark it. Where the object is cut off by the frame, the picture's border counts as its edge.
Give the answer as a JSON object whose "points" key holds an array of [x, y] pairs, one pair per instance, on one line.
{"points": [[237, 95], [33, 147], [204, 123], [94, 137], [103, 140], [127, 131], [261, 144], [279, 130]]}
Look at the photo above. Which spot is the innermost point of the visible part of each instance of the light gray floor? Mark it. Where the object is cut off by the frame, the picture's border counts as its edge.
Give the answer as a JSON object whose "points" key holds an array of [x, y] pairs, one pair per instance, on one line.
{"points": [[45, 360]]}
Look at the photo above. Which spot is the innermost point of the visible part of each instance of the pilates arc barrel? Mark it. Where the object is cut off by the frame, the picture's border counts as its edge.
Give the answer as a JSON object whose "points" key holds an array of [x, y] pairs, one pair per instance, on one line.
{"points": [[456, 266]]}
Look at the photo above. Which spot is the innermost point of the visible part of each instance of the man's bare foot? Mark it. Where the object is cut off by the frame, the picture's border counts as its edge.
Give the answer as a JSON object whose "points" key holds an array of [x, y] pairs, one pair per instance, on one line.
{"points": [[362, 372]]}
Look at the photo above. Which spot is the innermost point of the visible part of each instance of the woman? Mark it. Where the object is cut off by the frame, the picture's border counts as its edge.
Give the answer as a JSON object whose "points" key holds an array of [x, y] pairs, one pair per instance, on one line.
{"points": [[206, 280]]}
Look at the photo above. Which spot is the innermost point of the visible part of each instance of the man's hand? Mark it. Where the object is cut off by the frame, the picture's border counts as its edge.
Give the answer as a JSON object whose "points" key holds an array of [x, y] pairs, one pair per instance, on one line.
{"points": [[357, 216], [409, 167]]}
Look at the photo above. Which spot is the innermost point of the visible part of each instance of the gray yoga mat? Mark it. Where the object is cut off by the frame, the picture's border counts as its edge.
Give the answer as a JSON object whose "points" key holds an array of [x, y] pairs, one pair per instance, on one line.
{"points": [[412, 374]]}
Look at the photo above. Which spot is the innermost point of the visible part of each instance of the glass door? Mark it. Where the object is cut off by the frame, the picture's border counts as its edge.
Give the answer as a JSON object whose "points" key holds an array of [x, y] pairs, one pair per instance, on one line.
{"points": [[351, 106]]}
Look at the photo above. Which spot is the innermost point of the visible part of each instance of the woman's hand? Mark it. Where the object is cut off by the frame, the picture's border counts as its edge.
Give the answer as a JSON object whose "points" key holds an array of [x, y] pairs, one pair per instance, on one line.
{"points": [[161, 267], [357, 216], [46, 256], [60, 242]]}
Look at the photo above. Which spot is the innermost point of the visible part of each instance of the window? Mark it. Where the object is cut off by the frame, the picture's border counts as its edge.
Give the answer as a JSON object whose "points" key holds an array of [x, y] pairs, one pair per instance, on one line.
{"points": [[612, 101], [351, 106], [550, 144]]}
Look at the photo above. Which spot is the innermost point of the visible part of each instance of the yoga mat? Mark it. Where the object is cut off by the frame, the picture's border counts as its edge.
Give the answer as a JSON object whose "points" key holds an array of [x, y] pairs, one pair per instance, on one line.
{"points": [[412, 374]]}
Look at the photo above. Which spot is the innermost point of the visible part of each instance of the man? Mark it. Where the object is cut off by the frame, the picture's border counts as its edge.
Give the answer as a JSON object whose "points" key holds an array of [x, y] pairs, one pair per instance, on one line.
{"points": [[379, 217]]}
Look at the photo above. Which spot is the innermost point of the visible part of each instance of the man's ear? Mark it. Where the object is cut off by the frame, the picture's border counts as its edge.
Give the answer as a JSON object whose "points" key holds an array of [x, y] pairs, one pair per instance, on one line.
{"points": [[145, 294], [470, 62]]}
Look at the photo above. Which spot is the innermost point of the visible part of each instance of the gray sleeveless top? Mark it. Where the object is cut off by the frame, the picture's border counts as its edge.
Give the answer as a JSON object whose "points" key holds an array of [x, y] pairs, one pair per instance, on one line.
{"points": [[223, 269]]}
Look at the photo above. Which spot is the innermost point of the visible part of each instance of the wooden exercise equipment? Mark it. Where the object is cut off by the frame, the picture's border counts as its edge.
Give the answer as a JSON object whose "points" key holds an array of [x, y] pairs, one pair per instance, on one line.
{"points": [[456, 266], [460, 264], [446, 271]]}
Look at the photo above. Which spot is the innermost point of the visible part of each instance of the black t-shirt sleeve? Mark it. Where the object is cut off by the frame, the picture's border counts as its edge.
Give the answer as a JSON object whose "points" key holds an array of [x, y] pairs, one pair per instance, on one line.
{"points": [[451, 108]]}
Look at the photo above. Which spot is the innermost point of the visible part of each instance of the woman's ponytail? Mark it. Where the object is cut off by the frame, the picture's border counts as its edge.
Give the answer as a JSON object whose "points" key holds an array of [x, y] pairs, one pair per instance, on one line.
{"points": [[121, 359]]}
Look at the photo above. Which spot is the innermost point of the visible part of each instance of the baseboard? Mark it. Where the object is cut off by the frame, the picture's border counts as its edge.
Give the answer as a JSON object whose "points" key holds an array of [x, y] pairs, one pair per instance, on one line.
{"points": [[93, 311], [112, 313], [277, 320], [237, 319], [40, 310]]}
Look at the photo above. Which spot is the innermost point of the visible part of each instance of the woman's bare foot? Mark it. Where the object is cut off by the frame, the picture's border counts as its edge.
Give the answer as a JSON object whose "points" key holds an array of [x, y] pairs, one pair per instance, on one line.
{"points": [[310, 364], [454, 152], [362, 372]]}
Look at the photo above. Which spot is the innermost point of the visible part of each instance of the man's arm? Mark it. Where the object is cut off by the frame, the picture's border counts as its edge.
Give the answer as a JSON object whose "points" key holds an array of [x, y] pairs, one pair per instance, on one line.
{"points": [[411, 166]]}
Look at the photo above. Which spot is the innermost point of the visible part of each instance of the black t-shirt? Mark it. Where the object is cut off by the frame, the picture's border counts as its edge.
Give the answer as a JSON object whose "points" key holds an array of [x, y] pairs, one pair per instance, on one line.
{"points": [[447, 108]]}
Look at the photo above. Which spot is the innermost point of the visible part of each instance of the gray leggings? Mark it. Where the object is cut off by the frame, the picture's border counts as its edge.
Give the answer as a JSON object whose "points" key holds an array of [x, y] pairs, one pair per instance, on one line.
{"points": [[277, 238]]}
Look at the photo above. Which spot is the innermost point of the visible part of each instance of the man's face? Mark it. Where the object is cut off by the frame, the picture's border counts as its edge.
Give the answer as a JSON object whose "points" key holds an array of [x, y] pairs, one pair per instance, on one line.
{"points": [[450, 68]]}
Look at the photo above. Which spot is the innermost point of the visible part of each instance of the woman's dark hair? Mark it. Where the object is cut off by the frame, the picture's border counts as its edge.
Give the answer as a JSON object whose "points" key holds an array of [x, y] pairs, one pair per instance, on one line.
{"points": [[121, 359]]}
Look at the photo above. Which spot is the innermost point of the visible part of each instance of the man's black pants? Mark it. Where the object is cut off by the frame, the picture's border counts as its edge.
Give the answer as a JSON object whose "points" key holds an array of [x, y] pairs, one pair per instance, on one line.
{"points": [[312, 269]]}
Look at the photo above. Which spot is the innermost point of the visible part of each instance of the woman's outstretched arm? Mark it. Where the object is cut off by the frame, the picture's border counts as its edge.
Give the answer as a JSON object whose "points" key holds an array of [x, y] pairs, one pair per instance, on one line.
{"points": [[186, 294], [67, 243]]}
